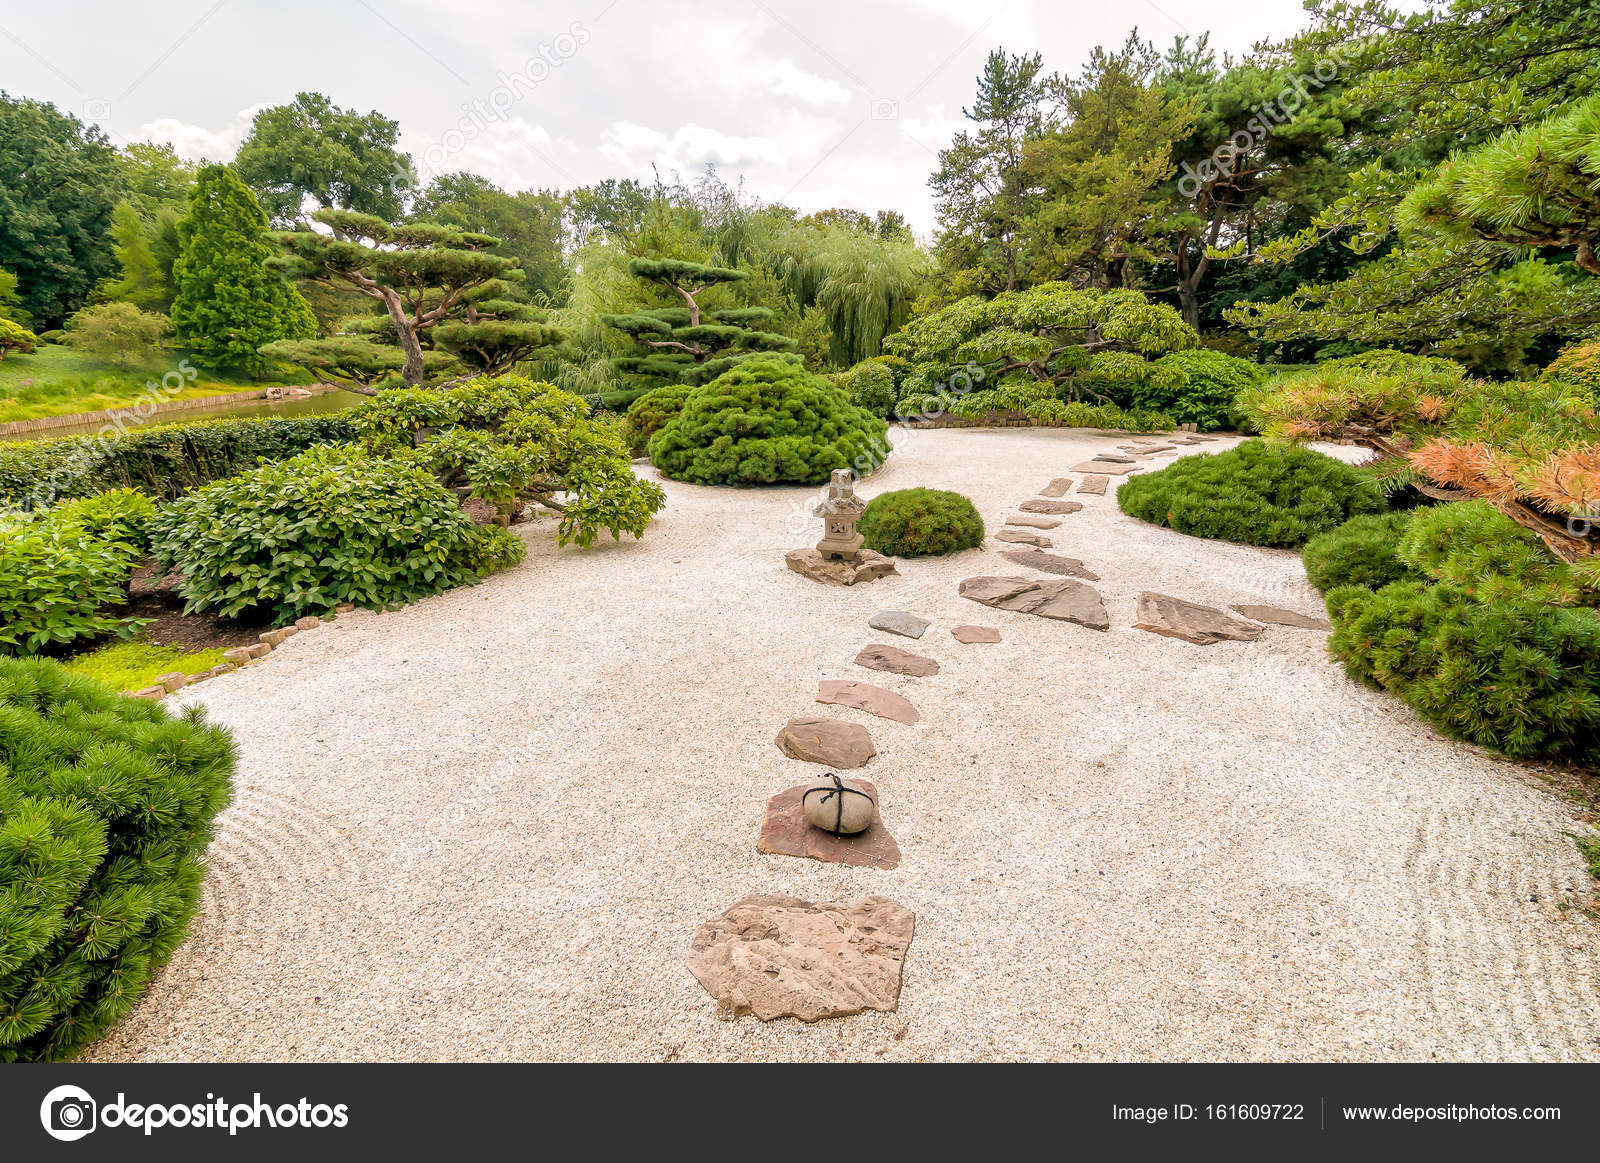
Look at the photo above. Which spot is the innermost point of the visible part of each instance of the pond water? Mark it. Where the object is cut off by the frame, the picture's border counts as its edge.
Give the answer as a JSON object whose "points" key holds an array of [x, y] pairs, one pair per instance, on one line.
{"points": [[308, 406]]}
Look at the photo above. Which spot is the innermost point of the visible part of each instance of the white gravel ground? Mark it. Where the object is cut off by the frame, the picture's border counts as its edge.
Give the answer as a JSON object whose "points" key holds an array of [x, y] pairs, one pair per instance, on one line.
{"points": [[486, 826]]}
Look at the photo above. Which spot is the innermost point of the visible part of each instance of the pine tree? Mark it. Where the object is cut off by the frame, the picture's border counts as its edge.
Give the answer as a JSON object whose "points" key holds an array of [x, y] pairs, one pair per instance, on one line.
{"points": [[691, 344], [229, 303]]}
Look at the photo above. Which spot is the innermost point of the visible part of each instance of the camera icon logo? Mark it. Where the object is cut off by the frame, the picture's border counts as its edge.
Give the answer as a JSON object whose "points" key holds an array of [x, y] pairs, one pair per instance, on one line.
{"points": [[884, 109], [68, 1113], [97, 109]]}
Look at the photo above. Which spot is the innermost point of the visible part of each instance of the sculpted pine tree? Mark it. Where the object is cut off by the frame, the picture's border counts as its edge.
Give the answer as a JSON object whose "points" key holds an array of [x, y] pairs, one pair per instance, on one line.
{"points": [[427, 277], [229, 303], [691, 344]]}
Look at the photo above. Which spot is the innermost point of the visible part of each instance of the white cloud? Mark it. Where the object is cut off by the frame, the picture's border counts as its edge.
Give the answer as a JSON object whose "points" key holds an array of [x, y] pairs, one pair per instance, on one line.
{"points": [[196, 143], [687, 148]]}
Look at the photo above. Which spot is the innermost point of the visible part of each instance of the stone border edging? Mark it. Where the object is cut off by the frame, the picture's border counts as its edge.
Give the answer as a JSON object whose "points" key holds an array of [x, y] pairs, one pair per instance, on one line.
{"points": [[237, 658]]}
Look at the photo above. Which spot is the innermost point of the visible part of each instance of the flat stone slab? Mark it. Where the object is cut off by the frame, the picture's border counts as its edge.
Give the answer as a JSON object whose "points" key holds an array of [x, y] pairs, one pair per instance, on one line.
{"points": [[1059, 507], [1065, 600], [896, 661], [1281, 617], [1157, 450], [867, 566], [1056, 488], [783, 957], [1101, 466], [1094, 484], [1022, 537], [899, 622], [1192, 622], [1115, 458], [972, 634], [830, 741], [1031, 521], [1050, 563], [785, 832], [863, 696]]}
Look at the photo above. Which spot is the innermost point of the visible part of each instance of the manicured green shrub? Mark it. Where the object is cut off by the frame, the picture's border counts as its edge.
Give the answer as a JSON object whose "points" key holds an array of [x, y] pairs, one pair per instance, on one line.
{"points": [[649, 412], [1196, 387], [1578, 366], [1257, 493], [1364, 551], [1478, 549], [1522, 677], [870, 386], [332, 525], [106, 806], [64, 571], [161, 460], [765, 421], [920, 523]]}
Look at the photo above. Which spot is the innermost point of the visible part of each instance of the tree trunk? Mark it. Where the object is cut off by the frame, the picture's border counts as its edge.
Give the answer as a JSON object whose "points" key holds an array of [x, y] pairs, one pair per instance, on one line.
{"points": [[409, 343]]}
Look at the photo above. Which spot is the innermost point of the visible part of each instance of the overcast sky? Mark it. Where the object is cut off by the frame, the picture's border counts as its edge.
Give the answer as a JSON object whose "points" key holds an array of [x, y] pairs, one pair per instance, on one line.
{"points": [[816, 103]]}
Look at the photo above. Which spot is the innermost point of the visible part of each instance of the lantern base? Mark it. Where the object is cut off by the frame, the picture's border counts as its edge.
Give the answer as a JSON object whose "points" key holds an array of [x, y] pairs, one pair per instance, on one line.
{"points": [[864, 567], [841, 549]]}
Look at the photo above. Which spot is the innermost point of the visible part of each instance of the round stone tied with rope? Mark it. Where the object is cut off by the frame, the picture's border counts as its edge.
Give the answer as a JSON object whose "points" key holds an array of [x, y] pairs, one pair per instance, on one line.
{"points": [[837, 807]]}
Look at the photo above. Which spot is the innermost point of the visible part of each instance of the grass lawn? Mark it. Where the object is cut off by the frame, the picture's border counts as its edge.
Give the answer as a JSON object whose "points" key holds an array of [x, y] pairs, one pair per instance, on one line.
{"points": [[132, 666], [56, 381]]}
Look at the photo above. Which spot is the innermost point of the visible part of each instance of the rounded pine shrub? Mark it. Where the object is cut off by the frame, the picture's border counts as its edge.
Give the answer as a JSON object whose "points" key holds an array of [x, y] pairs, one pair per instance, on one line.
{"points": [[106, 806], [1197, 387], [650, 411], [1257, 493], [1579, 367], [1477, 548], [1519, 676], [767, 421], [920, 523], [1364, 551], [332, 525]]}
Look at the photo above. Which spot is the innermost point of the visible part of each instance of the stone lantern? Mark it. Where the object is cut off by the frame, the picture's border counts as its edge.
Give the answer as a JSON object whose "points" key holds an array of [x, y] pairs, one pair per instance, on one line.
{"points": [[840, 511]]}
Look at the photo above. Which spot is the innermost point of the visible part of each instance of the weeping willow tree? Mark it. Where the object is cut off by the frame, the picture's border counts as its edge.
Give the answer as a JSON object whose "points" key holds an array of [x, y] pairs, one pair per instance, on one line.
{"points": [[862, 284]]}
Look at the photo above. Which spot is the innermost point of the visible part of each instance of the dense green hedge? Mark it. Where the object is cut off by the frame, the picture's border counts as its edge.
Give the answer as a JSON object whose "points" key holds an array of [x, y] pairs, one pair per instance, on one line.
{"points": [[106, 805], [767, 420], [920, 522], [64, 571], [650, 412], [332, 525], [162, 460], [1196, 387], [1257, 493], [1364, 551]]}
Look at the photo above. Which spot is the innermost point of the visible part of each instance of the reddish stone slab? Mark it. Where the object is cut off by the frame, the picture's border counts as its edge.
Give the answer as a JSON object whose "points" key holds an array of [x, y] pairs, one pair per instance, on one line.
{"points": [[863, 696], [892, 659], [785, 832], [971, 634]]}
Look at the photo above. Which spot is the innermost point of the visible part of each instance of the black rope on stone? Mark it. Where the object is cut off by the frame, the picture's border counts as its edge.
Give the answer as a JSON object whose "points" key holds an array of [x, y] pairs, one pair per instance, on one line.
{"points": [[839, 789]]}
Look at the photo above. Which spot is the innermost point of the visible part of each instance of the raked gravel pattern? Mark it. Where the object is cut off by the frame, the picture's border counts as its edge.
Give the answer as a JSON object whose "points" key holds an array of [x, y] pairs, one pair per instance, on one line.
{"points": [[486, 826]]}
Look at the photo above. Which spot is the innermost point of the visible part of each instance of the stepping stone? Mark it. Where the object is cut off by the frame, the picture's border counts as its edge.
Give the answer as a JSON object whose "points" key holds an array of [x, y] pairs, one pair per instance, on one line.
{"points": [[1156, 450], [1281, 617], [1102, 466], [1022, 537], [1049, 563], [1056, 488], [830, 741], [1062, 507], [868, 566], [1113, 458], [896, 661], [863, 696], [1032, 522], [971, 634], [899, 622], [1202, 625], [1094, 484], [1065, 601], [783, 957], [785, 832]]}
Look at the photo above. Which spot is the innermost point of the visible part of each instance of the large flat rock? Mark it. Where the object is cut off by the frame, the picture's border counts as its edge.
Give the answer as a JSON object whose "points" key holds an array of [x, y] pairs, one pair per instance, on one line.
{"points": [[785, 832], [1099, 466], [1114, 458], [863, 696], [867, 566], [783, 957], [1192, 622], [1281, 617], [899, 622], [1064, 600], [830, 741], [1022, 537], [1094, 484], [1031, 521], [893, 660], [1058, 507], [1050, 563], [1056, 488]]}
